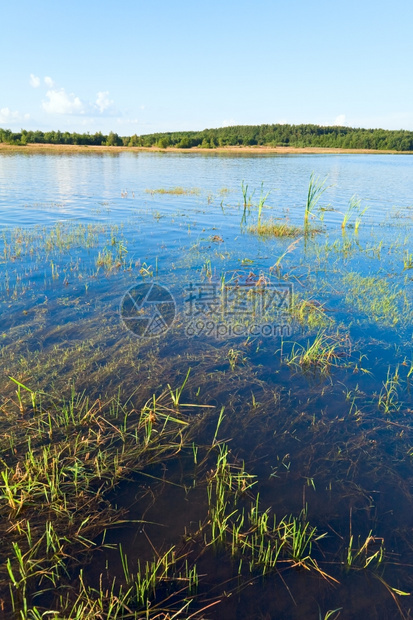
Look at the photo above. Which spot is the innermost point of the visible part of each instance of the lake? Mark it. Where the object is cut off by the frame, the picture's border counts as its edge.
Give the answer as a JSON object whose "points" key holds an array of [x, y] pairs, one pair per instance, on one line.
{"points": [[206, 401]]}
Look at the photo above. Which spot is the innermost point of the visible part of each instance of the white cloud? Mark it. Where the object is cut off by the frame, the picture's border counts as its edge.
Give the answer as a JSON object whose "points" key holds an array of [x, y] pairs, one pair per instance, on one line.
{"points": [[12, 117], [103, 102], [8, 116], [34, 81], [340, 120], [127, 121], [230, 122], [61, 102]]}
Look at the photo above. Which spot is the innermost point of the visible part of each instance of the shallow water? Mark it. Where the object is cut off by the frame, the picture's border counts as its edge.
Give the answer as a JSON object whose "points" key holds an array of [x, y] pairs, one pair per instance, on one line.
{"points": [[332, 437]]}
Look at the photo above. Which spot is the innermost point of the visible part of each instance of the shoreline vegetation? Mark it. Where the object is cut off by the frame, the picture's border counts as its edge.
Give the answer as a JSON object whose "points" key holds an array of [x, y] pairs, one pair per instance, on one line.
{"points": [[258, 150], [250, 138]]}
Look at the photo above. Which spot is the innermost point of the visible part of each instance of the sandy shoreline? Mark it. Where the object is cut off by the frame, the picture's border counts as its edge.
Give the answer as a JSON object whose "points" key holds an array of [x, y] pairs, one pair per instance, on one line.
{"points": [[72, 148]]}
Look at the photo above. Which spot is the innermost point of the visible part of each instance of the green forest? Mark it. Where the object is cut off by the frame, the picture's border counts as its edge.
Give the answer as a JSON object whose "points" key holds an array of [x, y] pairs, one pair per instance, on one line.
{"points": [[240, 135]]}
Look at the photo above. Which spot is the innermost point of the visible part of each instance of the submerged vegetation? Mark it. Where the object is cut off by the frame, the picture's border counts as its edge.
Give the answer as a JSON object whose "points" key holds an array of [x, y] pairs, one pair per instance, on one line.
{"points": [[62, 462], [382, 302], [320, 355], [220, 469]]}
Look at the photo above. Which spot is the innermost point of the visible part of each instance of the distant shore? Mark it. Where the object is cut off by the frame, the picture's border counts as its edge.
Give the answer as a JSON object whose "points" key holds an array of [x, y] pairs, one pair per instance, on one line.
{"points": [[279, 150]]}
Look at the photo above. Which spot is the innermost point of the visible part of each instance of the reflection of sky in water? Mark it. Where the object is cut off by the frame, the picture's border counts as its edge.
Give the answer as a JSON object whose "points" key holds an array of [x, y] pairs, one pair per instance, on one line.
{"points": [[173, 233], [47, 188]]}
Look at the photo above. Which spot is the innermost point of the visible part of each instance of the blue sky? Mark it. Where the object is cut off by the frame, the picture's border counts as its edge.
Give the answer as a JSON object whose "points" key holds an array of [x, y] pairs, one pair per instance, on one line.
{"points": [[162, 65]]}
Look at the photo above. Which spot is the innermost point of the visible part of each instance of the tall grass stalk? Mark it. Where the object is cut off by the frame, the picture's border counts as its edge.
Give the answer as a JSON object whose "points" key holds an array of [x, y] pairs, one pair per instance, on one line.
{"points": [[316, 188], [247, 201], [261, 203], [354, 205]]}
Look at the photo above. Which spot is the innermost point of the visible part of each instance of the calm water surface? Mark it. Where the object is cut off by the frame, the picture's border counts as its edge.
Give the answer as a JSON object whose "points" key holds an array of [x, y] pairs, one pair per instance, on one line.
{"points": [[77, 185]]}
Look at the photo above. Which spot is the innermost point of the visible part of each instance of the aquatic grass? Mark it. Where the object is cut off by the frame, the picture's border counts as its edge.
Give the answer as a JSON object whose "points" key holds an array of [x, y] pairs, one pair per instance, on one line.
{"points": [[310, 313], [306, 437], [176, 394], [145, 270], [110, 259], [354, 205], [247, 202], [237, 526], [261, 203], [65, 253], [64, 461], [316, 188], [277, 265], [377, 299], [235, 358], [247, 198], [174, 191], [106, 259], [149, 576], [358, 219], [265, 543], [299, 536], [320, 354], [407, 260], [388, 398], [331, 614], [61, 237], [161, 589], [207, 269], [272, 228], [365, 557]]}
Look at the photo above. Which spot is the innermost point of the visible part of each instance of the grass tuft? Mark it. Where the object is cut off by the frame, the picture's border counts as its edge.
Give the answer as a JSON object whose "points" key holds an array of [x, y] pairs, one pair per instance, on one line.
{"points": [[316, 188], [271, 228], [175, 191]]}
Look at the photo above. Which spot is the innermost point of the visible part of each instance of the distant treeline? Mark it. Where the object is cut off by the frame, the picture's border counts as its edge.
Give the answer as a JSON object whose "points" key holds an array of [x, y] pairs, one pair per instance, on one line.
{"points": [[241, 135]]}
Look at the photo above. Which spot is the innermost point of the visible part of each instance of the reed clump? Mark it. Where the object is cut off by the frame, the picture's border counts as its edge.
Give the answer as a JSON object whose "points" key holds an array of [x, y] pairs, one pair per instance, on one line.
{"points": [[316, 188], [274, 228], [320, 354], [174, 191]]}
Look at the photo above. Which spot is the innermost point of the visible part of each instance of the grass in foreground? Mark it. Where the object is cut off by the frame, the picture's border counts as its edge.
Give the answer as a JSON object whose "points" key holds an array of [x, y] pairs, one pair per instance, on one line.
{"points": [[59, 461]]}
